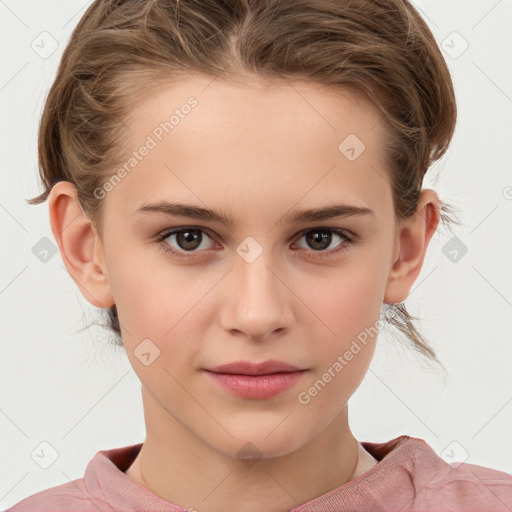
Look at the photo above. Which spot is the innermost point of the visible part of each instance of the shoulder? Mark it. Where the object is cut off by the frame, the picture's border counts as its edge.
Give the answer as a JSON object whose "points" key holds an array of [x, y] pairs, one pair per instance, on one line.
{"points": [[422, 480], [440, 485], [65, 497], [102, 484], [463, 486]]}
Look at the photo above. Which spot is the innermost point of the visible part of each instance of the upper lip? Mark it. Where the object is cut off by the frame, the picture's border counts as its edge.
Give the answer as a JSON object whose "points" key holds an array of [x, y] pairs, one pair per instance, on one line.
{"points": [[250, 368]]}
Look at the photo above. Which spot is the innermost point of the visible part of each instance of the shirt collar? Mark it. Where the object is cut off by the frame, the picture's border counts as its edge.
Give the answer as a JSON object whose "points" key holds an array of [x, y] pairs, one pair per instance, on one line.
{"points": [[397, 477]]}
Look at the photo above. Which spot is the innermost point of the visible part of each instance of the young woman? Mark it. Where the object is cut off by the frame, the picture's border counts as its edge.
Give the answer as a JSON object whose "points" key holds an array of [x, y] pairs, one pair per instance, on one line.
{"points": [[239, 183]]}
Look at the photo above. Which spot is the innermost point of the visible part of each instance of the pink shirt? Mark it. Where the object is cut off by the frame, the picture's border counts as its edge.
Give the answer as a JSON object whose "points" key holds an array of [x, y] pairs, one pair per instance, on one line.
{"points": [[409, 476]]}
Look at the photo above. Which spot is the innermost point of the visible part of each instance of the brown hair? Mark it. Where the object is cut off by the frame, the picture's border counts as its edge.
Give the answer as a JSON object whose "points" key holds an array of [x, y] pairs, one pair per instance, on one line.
{"points": [[122, 50]]}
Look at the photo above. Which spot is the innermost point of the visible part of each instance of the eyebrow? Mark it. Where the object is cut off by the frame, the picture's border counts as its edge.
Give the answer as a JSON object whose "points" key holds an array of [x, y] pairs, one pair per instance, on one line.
{"points": [[309, 215]]}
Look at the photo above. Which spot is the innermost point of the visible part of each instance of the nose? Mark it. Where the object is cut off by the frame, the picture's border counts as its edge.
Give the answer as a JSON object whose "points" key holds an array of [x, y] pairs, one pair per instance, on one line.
{"points": [[258, 299]]}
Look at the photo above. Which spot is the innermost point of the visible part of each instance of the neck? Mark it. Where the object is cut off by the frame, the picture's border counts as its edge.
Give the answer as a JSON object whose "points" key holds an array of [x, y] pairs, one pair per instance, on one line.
{"points": [[177, 466]]}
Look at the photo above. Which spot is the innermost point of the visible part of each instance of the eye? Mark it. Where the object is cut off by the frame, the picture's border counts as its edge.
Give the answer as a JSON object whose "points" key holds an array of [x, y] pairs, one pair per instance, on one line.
{"points": [[187, 239], [321, 238], [190, 240]]}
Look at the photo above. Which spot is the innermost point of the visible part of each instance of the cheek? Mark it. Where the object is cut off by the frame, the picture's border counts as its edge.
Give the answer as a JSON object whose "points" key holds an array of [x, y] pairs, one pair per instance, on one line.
{"points": [[349, 309], [349, 302], [344, 353], [153, 294], [162, 303], [157, 306]]}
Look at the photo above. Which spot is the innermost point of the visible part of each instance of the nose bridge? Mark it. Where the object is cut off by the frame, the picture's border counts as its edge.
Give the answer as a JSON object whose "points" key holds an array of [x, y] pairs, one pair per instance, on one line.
{"points": [[255, 274]]}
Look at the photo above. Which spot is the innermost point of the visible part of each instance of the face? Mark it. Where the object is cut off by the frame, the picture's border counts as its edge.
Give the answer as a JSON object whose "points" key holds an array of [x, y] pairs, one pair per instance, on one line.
{"points": [[263, 286]]}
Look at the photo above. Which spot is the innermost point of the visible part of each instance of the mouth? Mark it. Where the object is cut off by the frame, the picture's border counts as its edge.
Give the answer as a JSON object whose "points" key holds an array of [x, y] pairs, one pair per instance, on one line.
{"points": [[256, 387]]}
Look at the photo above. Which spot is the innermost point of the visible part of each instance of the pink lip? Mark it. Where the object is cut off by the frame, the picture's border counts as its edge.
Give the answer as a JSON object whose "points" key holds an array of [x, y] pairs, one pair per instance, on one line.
{"points": [[257, 387], [249, 368], [258, 381]]}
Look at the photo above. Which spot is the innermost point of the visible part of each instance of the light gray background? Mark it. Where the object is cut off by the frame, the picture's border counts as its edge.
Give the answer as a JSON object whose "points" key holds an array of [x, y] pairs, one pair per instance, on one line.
{"points": [[77, 394]]}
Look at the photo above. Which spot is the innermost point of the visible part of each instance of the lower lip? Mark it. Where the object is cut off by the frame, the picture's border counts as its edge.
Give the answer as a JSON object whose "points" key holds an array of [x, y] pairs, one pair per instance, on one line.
{"points": [[257, 387]]}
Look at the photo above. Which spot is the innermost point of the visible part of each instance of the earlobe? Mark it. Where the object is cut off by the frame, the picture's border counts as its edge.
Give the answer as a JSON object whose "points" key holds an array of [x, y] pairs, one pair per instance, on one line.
{"points": [[414, 236], [79, 245]]}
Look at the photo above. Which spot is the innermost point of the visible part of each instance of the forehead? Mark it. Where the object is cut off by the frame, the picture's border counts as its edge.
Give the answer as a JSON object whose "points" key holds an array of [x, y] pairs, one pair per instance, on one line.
{"points": [[300, 109], [256, 141]]}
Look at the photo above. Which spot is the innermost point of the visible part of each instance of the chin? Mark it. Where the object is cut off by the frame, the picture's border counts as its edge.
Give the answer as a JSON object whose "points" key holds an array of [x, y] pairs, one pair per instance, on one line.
{"points": [[252, 444]]}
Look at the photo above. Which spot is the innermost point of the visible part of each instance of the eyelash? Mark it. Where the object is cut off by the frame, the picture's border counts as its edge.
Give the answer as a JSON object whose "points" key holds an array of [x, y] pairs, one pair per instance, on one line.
{"points": [[187, 255]]}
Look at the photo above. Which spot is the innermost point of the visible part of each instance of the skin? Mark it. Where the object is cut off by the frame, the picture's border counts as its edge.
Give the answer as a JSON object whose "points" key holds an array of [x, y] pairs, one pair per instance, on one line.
{"points": [[255, 151]]}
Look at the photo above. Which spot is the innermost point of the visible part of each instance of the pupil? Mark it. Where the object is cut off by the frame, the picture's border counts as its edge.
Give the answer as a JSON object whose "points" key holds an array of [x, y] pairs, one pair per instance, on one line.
{"points": [[188, 240], [322, 238]]}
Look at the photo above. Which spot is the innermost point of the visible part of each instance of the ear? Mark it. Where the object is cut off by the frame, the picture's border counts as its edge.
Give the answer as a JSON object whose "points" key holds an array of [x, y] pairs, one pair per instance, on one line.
{"points": [[413, 239], [79, 245]]}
